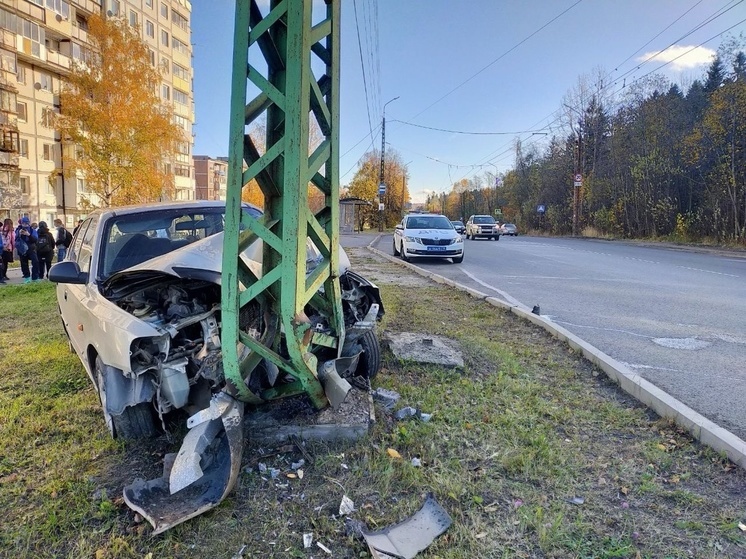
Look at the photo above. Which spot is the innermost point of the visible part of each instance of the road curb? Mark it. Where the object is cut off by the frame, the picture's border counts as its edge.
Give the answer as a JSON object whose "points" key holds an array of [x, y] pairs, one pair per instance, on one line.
{"points": [[665, 405]]}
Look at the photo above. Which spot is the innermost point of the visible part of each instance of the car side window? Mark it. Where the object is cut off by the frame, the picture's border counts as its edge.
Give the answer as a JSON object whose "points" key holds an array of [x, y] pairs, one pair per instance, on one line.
{"points": [[84, 244]]}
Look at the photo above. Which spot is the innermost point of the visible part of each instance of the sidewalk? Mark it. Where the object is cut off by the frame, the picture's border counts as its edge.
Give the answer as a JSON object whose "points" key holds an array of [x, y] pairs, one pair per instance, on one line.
{"points": [[15, 277]]}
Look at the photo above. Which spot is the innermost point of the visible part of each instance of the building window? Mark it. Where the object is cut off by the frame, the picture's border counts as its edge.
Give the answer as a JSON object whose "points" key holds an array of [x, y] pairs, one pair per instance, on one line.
{"points": [[179, 46], [21, 74], [59, 6], [45, 80], [80, 53], [48, 152], [23, 181], [47, 117], [149, 3], [182, 152], [35, 34], [50, 188], [150, 29], [181, 122], [164, 10], [23, 151], [180, 20], [113, 7], [21, 110], [152, 57], [165, 66], [165, 92], [81, 186], [164, 38], [181, 97], [133, 19], [8, 20], [180, 72], [181, 170]]}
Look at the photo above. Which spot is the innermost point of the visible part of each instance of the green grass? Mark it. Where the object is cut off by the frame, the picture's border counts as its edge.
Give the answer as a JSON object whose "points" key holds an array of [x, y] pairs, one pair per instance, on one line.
{"points": [[525, 426]]}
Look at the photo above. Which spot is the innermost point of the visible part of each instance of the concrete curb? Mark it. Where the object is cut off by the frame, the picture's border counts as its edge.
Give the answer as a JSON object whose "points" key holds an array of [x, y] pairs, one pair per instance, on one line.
{"points": [[665, 405]]}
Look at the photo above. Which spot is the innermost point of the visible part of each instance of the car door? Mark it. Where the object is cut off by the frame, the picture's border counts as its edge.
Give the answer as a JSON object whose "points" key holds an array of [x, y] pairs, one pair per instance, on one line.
{"points": [[74, 299]]}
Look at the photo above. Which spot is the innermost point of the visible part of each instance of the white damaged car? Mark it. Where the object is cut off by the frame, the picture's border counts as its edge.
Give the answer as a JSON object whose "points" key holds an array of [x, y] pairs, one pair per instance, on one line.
{"points": [[427, 236], [139, 297]]}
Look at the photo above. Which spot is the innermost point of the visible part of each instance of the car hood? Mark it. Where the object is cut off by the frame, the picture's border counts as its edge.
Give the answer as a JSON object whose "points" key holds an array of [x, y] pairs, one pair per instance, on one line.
{"points": [[203, 260], [440, 233]]}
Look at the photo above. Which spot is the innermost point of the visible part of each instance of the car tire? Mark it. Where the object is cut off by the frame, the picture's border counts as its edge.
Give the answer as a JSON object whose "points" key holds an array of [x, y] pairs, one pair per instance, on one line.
{"points": [[396, 252], [135, 422], [403, 253], [370, 360], [459, 259]]}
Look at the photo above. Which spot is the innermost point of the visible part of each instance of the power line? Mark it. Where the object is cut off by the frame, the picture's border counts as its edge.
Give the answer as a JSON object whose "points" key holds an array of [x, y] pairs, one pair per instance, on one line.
{"points": [[462, 132], [362, 66]]}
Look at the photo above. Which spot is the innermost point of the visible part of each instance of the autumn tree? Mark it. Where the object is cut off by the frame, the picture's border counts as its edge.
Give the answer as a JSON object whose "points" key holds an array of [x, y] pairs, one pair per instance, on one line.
{"points": [[365, 185], [117, 134]]}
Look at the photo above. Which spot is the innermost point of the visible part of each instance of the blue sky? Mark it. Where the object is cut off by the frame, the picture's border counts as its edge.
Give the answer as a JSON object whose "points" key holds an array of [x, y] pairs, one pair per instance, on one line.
{"points": [[498, 67]]}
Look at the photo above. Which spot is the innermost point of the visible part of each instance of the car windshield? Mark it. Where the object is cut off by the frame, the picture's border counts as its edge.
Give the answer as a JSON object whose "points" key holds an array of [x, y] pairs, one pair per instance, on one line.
{"points": [[484, 219], [429, 222], [457, 224], [510, 226], [132, 239]]}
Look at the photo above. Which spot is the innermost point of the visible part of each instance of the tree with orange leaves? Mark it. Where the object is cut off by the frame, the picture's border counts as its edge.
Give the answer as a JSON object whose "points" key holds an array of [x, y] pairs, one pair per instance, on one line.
{"points": [[116, 132]]}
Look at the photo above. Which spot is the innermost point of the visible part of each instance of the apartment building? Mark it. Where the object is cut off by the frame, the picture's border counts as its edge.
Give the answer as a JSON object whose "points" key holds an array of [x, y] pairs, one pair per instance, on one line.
{"points": [[211, 177], [39, 39]]}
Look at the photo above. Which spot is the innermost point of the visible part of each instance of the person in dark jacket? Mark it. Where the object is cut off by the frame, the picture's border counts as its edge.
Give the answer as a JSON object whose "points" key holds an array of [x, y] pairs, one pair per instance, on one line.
{"points": [[26, 248], [62, 240], [44, 249]]}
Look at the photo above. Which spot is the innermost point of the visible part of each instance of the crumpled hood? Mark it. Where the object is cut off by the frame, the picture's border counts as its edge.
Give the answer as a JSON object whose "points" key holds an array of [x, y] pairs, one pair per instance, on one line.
{"points": [[203, 259]]}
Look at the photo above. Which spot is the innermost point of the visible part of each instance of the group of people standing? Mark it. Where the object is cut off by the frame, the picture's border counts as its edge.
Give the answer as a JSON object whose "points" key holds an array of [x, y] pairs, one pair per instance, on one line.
{"points": [[35, 246]]}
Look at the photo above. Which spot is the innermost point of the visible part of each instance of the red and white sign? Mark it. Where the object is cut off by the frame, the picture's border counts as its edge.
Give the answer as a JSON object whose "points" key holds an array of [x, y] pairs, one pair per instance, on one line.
{"points": [[578, 179]]}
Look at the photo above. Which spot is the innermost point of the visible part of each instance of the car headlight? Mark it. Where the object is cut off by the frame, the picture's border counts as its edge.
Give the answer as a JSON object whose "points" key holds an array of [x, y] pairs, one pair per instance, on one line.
{"points": [[412, 239]]}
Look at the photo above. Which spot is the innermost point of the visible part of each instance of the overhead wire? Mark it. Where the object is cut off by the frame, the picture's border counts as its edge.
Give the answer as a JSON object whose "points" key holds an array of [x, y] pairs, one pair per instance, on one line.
{"points": [[362, 66]]}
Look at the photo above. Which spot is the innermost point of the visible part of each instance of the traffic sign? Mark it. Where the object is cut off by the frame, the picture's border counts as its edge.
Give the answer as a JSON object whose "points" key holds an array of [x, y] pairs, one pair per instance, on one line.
{"points": [[380, 207], [540, 209], [381, 189], [578, 179]]}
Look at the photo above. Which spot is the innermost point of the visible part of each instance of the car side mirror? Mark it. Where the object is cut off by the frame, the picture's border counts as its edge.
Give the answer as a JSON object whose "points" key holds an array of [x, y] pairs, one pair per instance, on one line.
{"points": [[399, 227], [67, 272]]}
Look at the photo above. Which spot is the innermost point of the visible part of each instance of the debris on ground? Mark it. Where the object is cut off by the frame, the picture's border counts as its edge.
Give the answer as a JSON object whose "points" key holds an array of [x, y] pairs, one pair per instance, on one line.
{"points": [[413, 535], [346, 507], [307, 540], [420, 348], [387, 398]]}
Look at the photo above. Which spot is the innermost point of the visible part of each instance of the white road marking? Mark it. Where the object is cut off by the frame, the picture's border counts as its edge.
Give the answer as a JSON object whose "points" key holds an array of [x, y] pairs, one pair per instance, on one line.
{"points": [[508, 298]]}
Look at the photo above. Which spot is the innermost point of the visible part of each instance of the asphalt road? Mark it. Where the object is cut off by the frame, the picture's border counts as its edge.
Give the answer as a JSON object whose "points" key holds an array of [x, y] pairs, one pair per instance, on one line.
{"points": [[676, 317]]}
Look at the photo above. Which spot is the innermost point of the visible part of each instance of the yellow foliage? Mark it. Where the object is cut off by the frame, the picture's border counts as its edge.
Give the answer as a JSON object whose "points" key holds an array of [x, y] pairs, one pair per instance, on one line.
{"points": [[112, 118]]}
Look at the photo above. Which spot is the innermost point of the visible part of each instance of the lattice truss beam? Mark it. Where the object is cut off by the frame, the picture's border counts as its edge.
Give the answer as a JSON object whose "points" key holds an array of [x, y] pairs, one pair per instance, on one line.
{"points": [[276, 60]]}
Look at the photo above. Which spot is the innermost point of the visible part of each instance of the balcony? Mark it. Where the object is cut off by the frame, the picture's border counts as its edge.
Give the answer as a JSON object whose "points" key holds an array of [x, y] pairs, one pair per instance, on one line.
{"points": [[89, 6], [57, 59]]}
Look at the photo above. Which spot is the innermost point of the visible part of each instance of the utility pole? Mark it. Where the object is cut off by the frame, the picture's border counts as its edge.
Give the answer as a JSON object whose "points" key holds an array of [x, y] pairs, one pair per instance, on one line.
{"points": [[577, 182], [381, 183]]}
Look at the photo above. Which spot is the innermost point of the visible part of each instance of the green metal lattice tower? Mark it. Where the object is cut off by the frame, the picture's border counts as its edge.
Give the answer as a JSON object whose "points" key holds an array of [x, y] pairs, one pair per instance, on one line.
{"points": [[286, 44]]}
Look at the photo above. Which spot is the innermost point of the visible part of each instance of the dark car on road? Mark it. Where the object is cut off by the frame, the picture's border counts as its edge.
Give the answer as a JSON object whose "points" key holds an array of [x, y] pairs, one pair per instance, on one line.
{"points": [[459, 227]]}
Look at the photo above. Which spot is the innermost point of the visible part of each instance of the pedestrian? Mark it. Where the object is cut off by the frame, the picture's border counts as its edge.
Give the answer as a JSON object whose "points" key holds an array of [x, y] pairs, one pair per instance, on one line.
{"points": [[62, 241], [26, 248], [80, 222], [44, 249], [9, 244]]}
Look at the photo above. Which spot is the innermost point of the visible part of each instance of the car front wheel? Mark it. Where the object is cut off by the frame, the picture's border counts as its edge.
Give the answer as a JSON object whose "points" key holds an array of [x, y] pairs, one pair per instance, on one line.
{"points": [[458, 259], [396, 252], [403, 251], [135, 422]]}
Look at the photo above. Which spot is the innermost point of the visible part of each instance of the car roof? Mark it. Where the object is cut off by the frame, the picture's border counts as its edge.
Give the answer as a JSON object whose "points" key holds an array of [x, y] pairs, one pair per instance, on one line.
{"points": [[191, 205]]}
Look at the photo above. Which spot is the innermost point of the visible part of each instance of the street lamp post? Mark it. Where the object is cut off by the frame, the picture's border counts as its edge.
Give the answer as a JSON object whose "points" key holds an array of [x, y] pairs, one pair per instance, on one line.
{"points": [[381, 183]]}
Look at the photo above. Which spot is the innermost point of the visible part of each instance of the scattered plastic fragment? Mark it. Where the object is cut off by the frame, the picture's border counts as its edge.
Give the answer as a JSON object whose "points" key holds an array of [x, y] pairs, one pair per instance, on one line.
{"points": [[517, 503], [405, 412], [425, 417], [411, 536], [742, 526], [322, 546], [299, 464], [274, 472], [393, 453], [625, 505], [416, 462], [387, 397], [261, 467], [300, 474], [346, 507], [307, 540], [576, 501], [239, 555]]}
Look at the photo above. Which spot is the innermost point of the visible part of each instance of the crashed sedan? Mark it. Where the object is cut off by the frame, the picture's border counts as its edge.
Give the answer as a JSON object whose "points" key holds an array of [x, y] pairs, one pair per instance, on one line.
{"points": [[139, 296]]}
